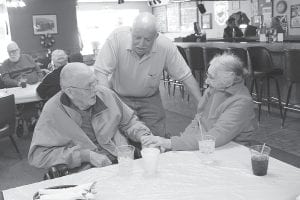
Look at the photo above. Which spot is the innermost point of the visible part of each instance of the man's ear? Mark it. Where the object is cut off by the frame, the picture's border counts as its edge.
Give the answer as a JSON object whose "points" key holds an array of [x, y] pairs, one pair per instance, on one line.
{"points": [[68, 92]]}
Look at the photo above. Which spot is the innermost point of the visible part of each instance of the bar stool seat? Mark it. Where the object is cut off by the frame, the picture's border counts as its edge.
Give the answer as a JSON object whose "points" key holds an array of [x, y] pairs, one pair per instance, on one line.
{"points": [[292, 60], [262, 69]]}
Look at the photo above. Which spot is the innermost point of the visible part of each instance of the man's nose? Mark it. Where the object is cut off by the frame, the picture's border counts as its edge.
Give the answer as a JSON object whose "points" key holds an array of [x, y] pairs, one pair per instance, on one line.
{"points": [[141, 42]]}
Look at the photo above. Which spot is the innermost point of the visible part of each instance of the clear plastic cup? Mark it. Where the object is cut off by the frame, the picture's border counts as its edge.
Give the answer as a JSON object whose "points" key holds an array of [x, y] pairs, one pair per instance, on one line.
{"points": [[125, 154], [150, 160], [260, 159], [207, 148]]}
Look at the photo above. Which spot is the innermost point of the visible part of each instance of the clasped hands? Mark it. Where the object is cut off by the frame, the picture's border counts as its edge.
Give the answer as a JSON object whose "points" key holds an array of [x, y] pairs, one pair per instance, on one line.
{"points": [[156, 141]]}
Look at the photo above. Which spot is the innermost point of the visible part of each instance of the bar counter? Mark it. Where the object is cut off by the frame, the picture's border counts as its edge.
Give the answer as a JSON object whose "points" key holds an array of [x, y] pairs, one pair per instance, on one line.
{"points": [[277, 53]]}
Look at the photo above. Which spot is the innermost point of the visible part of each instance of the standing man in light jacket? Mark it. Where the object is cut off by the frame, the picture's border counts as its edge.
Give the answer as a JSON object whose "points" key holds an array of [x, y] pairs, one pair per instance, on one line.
{"points": [[83, 124], [134, 59], [226, 110]]}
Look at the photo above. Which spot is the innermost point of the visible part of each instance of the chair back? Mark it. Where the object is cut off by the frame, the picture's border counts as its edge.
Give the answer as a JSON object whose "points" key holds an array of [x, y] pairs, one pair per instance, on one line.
{"points": [[183, 54], [260, 59], [195, 58], [292, 60], [209, 53], [8, 113], [240, 53]]}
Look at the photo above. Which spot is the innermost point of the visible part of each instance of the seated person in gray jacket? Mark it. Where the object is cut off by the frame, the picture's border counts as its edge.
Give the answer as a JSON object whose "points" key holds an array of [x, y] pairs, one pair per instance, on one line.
{"points": [[226, 110], [83, 123], [19, 66]]}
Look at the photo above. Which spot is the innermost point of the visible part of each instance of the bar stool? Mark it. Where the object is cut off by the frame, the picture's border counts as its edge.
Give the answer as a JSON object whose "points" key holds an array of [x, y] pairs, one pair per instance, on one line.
{"points": [[196, 63], [292, 60], [177, 83], [240, 53], [262, 69], [209, 53]]}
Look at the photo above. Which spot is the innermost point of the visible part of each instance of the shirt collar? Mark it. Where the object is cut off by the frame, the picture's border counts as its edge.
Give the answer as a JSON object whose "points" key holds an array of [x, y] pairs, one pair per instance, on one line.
{"points": [[234, 88], [98, 107]]}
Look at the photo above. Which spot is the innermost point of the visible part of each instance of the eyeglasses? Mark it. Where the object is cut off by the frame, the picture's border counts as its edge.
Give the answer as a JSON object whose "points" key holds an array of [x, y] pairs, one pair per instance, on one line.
{"points": [[92, 87]]}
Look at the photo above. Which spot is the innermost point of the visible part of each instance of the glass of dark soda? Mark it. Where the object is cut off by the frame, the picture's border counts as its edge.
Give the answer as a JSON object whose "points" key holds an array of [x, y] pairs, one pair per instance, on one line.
{"points": [[260, 159]]}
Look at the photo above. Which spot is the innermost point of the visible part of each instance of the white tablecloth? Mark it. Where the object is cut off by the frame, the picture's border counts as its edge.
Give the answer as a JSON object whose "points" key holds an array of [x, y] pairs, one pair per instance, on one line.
{"points": [[182, 176], [23, 95]]}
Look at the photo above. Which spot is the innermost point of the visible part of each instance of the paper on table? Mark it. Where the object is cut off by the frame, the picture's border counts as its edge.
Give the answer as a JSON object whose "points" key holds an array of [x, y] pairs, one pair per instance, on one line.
{"points": [[72, 193]]}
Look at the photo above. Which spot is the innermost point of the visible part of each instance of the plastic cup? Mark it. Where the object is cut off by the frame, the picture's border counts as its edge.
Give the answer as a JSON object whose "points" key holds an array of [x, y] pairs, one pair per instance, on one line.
{"points": [[207, 148], [260, 159], [150, 160], [125, 154]]}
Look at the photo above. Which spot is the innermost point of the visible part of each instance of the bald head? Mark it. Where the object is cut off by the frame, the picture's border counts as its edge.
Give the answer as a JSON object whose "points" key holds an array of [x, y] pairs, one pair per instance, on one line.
{"points": [[78, 82], [75, 74], [13, 51], [145, 21], [144, 33]]}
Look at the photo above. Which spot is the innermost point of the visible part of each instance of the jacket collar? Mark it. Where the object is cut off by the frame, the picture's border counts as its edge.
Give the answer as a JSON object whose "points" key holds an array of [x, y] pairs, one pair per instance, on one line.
{"points": [[230, 90], [98, 107]]}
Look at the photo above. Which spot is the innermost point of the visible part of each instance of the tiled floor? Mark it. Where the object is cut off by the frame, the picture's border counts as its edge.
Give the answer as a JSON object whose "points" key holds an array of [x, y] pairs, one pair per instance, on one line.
{"points": [[15, 172]]}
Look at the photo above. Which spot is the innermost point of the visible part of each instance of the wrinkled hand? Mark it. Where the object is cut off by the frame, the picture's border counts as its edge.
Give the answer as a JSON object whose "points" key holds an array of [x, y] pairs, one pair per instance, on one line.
{"points": [[156, 141], [99, 160]]}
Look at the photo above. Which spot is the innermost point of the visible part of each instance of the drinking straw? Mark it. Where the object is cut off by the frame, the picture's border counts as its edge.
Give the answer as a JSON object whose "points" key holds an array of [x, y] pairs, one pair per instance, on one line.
{"points": [[200, 127], [262, 149]]}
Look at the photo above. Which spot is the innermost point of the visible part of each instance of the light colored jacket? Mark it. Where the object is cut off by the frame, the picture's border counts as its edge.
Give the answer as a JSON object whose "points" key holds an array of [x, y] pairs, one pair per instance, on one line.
{"points": [[58, 138], [227, 115]]}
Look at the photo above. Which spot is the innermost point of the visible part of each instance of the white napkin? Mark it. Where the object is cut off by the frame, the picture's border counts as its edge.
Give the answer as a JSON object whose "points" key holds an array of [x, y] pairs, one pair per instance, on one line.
{"points": [[298, 197], [83, 191]]}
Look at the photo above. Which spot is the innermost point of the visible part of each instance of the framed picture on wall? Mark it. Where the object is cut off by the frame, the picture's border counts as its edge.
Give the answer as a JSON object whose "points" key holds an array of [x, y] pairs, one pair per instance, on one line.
{"points": [[295, 16], [44, 24], [206, 22]]}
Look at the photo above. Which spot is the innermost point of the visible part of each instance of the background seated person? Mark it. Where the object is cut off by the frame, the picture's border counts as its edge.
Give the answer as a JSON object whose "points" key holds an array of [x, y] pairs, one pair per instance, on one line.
{"points": [[241, 18], [226, 109], [276, 26], [19, 66], [82, 123], [50, 85], [228, 31]]}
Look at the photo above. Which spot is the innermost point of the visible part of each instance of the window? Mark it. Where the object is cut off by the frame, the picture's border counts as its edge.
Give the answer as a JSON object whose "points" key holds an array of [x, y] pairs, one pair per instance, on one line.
{"points": [[4, 32], [95, 25]]}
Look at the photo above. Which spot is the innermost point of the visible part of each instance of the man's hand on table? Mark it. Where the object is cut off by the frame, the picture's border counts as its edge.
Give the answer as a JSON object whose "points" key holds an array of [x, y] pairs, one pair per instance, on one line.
{"points": [[95, 159], [156, 141]]}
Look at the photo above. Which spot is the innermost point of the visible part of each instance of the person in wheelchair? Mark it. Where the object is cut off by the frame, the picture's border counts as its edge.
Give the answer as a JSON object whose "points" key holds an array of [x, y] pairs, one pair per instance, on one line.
{"points": [[83, 123]]}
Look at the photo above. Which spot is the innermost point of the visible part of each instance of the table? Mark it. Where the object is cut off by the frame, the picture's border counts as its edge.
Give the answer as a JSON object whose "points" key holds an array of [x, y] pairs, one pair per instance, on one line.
{"points": [[23, 95], [182, 176]]}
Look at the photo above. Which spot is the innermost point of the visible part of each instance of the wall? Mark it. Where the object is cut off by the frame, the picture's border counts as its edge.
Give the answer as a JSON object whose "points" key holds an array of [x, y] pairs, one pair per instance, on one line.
{"points": [[142, 6], [291, 31], [217, 29], [21, 25]]}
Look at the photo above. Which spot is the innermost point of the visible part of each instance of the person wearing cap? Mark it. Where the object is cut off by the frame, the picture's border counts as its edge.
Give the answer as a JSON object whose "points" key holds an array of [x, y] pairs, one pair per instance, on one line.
{"points": [[19, 66], [132, 61], [226, 111], [50, 85], [83, 123]]}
